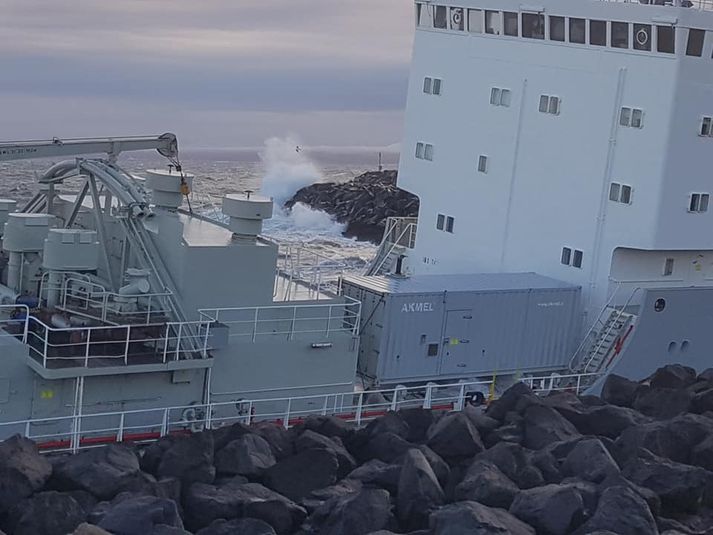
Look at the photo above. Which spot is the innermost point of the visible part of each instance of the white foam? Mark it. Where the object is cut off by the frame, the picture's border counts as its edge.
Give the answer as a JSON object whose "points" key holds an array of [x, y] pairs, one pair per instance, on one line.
{"points": [[287, 169]]}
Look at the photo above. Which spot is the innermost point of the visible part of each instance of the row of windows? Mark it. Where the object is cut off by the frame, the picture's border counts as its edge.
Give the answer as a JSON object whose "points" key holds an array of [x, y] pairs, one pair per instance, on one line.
{"points": [[445, 223], [602, 33], [572, 257], [622, 193], [432, 86], [424, 151]]}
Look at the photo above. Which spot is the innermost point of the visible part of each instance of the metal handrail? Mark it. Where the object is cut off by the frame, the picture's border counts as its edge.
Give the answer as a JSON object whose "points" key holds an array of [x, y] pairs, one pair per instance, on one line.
{"points": [[396, 243], [24, 321]]}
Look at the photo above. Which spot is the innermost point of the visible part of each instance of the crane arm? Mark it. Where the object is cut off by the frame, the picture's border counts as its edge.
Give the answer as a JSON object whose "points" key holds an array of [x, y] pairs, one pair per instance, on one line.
{"points": [[166, 145]]}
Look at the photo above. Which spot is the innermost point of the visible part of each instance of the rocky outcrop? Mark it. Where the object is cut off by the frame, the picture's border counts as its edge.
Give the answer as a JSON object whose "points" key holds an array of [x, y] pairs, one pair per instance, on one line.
{"points": [[557, 464], [363, 203]]}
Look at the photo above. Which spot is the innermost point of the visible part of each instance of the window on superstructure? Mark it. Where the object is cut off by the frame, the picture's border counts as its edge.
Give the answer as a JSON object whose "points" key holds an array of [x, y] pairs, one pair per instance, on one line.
{"points": [[457, 19], [449, 224], [556, 28], [598, 32], [577, 258], [493, 24], [642, 37], [576, 30], [620, 193], [427, 85], [424, 14], [706, 127], [420, 149], [440, 222], [665, 39], [482, 164], [696, 39], [533, 26], [631, 117], [549, 104], [500, 97], [620, 35], [668, 267], [475, 21], [440, 19], [698, 202], [437, 86], [424, 151], [510, 23], [566, 257]]}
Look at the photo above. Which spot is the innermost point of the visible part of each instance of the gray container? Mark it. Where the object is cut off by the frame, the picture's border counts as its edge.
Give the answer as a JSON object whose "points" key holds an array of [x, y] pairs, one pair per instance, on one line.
{"points": [[433, 327]]}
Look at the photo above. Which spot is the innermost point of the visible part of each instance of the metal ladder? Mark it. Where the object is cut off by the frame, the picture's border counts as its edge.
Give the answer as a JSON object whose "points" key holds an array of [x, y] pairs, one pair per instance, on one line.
{"points": [[606, 341]]}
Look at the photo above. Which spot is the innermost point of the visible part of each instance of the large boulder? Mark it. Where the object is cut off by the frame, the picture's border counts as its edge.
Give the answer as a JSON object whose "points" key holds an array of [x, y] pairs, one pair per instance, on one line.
{"points": [[508, 400], [238, 526], [454, 436], [20, 455], [141, 515], [703, 401], [439, 466], [378, 473], [673, 376], [662, 403], [515, 462], [222, 436], [328, 426], [103, 472], [419, 491], [313, 440], [46, 513], [387, 447], [552, 509], [391, 422], [357, 514], [590, 460], [308, 470], [619, 390], [486, 484], [250, 455], [473, 518], [702, 454], [544, 425], [605, 420], [418, 421], [189, 459], [277, 436], [621, 511], [318, 503]]}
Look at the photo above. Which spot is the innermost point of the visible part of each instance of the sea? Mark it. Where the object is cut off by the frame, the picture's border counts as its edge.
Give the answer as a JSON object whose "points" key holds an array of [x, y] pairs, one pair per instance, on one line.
{"points": [[277, 169]]}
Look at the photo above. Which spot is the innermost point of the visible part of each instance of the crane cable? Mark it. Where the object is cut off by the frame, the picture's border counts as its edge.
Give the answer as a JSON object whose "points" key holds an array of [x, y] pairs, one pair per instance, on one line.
{"points": [[185, 189]]}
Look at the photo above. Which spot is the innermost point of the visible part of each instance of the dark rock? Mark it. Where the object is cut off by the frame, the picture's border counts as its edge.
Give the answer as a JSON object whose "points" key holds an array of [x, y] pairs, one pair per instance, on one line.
{"points": [[249, 455], [386, 447], [588, 491], [702, 454], [308, 470], [703, 401], [515, 462], [513, 433], [544, 425], [662, 403], [418, 421], [223, 436], [673, 376], [20, 455], [482, 422], [141, 515], [508, 400], [312, 440], [623, 512], [419, 491], [358, 514], [619, 390], [328, 426], [103, 472], [590, 460], [391, 422], [439, 466], [454, 435], [89, 529], [189, 459], [319, 501], [473, 518], [554, 509], [238, 526], [486, 484], [46, 513], [378, 473], [606, 420], [278, 438], [651, 498], [151, 454], [706, 375]]}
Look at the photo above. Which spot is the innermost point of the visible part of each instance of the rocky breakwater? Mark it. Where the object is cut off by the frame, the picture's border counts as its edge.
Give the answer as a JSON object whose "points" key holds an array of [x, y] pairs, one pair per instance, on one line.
{"points": [[637, 461], [363, 204]]}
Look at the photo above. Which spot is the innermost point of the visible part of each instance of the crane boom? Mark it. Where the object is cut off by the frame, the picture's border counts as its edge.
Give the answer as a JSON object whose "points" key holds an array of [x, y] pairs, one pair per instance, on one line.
{"points": [[165, 144]]}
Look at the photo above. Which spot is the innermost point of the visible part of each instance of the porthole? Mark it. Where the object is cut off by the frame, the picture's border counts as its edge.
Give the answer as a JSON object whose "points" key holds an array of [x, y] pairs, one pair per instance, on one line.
{"points": [[685, 345], [659, 305], [672, 347]]}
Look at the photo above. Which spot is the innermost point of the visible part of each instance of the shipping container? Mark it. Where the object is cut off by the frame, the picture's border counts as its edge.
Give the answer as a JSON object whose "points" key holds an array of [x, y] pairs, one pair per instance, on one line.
{"points": [[434, 327]]}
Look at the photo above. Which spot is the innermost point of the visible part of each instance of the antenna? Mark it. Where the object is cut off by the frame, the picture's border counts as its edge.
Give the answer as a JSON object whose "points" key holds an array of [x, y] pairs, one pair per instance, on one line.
{"points": [[381, 167]]}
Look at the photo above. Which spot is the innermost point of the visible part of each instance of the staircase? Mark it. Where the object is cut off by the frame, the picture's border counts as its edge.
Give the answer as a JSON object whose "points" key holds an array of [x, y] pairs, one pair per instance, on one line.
{"points": [[606, 342], [399, 237]]}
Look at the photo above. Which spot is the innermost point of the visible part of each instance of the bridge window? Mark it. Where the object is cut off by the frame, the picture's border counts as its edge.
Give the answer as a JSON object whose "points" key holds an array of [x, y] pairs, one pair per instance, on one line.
{"points": [[493, 23], [424, 151], [598, 32], [642, 37], [706, 127], [549, 104], [533, 26], [440, 222], [457, 19], [556, 28], [577, 258], [475, 21], [620, 35], [432, 86], [510, 23], [695, 42], [632, 117], [576, 30], [482, 164], [440, 19], [571, 257], [449, 224], [500, 97], [566, 256], [666, 38], [620, 193], [698, 202]]}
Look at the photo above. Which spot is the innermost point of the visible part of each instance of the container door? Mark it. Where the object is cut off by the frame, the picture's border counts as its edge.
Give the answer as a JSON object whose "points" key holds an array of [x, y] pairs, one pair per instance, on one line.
{"points": [[457, 342]]}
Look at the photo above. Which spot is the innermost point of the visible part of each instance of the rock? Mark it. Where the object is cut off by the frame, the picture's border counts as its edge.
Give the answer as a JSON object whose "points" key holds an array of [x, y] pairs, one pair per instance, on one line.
{"points": [[419, 491], [328, 426], [141, 515], [439, 466], [418, 421], [662, 403], [319, 501], [189, 459], [249, 455], [619, 390], [621, 511], [649, 496], [606, 420], [312, 440], [706, 375], [515, 462], [278, 438], [89, 529], [151, 454], [553, 509], [590, 460], [508, 400], [703, 401], [386, 447], [206, 503], [238, 526], [486, 484], [513, 433], [358, 514], [103, 472], [473, 518], [673, 376], [378, 473], [20, 455], [702, 454], [226, 434], [308, 470], [454, 436], [482, 422], [46, 513], [544, 425], [391, 422]]}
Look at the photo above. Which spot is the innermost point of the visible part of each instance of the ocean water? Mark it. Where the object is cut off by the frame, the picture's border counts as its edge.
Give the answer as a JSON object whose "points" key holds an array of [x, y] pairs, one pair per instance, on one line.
{"points": [[276, 170]]}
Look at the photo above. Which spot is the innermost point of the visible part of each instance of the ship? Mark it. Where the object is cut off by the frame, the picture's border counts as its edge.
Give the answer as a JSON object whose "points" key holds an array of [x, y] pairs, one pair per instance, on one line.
{"points": [[559, 151]]}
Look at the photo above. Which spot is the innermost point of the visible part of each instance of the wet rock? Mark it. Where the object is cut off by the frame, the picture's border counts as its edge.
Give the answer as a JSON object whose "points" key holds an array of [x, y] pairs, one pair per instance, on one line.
{"points": [[418, 421], [454, 436], [238, 526], [319, 502], [619, 390], [544, 425], [278, 438], [46, 513], [249, 455], [308, 470], [649, 496], [474, 518], [508, 400], [141, 515], [606, 420], [439, 466], [623, 512], [223, 436], [703, 401], [419, 491], [358, 514], [662, 403], [386, 447], [553, 509], [312, 440], [486, 484], [189, 459], [590, 460], [673, 376], [378, 473], [515, 462], [328, 426], [391, 422]]}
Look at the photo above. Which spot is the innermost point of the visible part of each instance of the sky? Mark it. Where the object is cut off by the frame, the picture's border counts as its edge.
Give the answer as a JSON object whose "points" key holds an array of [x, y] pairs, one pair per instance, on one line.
{"points": [[218, 73]]}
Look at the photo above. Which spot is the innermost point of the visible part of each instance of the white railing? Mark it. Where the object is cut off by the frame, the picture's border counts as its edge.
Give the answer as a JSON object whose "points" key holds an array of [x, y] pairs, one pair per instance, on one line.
{"points": [[702, 5], [14, 321], [300, 265], [71, 347], [555, 382], [74, 432], [399, 232], [289, 320]]}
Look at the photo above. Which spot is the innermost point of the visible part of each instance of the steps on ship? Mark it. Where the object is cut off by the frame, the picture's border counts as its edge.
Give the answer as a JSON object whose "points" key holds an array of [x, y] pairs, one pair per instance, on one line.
{"points": [[607, 342]]}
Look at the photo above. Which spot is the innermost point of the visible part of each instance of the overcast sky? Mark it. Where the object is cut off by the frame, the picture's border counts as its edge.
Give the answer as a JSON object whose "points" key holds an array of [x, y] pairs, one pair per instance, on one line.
{"points": [[222, 73]]}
